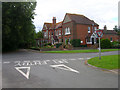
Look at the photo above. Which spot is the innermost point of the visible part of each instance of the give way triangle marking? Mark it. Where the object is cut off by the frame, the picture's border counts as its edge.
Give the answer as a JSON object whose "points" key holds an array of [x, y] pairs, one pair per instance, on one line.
{"points": [[64, 67], [23, 73]]}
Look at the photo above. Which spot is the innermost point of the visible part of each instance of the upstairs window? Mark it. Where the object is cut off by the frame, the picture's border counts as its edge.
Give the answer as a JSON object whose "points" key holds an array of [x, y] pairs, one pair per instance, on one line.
{"points": [[95, 28], [67, 31], [59, 32], [88, 29]]}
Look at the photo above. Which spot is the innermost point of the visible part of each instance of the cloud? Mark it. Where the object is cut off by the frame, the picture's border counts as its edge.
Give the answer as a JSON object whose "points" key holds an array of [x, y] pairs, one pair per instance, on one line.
{"points": [[103, 12]]}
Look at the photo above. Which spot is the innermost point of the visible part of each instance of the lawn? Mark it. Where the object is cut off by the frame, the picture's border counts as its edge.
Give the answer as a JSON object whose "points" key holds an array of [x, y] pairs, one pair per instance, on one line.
{"points": [[81, 51], [106, 62]]}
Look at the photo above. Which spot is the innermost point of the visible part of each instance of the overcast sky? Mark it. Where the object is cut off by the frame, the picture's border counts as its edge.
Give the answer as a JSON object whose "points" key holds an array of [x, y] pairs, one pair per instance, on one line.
{"points": [[103, 12]]}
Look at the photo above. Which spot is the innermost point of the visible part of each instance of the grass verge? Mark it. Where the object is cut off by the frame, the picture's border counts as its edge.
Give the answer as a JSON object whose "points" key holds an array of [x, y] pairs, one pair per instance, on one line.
{"points": [[81, 51], [106, 62]]}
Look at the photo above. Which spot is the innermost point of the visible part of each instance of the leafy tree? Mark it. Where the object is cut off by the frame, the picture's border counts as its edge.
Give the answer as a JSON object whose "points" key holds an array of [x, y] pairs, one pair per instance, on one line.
{"points": [[18, 30], [115, 28], [39, 34]]}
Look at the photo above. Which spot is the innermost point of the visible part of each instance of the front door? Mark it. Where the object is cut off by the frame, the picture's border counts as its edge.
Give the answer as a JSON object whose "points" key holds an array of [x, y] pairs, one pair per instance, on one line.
{"points": [[92, 41]]}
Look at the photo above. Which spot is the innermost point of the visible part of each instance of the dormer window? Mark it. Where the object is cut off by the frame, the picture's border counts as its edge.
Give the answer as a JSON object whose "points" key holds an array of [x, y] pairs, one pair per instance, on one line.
{"points": [[67, 31], [88, 29]]}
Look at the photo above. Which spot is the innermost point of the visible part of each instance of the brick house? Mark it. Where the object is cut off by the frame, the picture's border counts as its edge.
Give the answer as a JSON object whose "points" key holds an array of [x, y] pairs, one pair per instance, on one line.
{"points": [[109, 34], [79, 27], [52, 31], [75, 26]]}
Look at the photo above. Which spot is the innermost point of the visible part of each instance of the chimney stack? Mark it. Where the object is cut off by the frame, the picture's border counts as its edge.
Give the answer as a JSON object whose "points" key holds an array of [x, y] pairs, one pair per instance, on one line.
{"points": [[54, 20], [105, 27]]}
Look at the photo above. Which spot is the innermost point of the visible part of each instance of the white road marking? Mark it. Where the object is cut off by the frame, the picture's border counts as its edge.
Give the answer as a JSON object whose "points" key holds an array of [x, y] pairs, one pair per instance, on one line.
{"points": [[88, 58], [18, 63], [54, 61], [6, 62], [64, 67], [24, 74], [72, 59], [80, 58], [64, 60], [37, 62]]}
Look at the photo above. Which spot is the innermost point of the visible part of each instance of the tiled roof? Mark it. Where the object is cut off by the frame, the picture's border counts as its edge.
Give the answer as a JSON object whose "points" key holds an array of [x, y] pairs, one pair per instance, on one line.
{"points": [[51, 26], [81, 19], [109, 32], [58, 25], [48, 25]]}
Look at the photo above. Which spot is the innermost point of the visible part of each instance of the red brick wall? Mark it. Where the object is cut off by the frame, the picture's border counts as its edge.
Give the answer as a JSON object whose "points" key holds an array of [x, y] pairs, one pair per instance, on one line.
{"points": [[78, 31], [64, 26], [114, 37], [82, 31]]}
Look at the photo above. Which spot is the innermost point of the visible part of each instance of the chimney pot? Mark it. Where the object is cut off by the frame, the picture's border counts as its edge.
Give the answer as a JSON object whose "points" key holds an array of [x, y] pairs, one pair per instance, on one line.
{"points": [[54, 20]]}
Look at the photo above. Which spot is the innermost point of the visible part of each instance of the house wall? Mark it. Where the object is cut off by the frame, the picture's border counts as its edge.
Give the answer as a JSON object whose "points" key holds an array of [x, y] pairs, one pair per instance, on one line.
{"points": [[82, 31], [107, 36], [71, 26], [78, 31]]}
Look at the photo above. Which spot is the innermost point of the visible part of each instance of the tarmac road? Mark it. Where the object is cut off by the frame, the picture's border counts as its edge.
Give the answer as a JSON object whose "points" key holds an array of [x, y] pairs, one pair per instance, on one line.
{"points": [[27, 69]]}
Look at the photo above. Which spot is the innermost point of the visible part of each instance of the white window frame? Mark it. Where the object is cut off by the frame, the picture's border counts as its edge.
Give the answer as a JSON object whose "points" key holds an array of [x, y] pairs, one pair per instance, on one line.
{"points": [[95, 28], [67, 31], [88, 29]]}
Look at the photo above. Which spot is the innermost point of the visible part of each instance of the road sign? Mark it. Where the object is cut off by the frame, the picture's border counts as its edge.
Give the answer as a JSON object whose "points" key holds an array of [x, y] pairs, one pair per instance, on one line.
{"points": [[99, 33]]}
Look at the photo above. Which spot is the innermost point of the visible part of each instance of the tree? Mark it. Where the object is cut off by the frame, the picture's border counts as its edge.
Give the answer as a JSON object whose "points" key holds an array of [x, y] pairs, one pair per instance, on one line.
{"points": [[39, 34], [115, 28], [17, 26]]}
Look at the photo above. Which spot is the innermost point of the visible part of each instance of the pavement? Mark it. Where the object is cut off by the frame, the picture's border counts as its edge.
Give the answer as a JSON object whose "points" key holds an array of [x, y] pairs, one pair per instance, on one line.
{"points": [[31, 69]]}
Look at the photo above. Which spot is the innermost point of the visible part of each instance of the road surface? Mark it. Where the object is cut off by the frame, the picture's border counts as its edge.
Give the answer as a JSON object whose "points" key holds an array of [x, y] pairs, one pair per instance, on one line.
{"points": [[28, 69]]}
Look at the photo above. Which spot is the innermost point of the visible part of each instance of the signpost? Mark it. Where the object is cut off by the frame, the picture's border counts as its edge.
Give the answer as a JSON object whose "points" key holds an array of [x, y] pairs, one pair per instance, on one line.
{"points": [[99, 35]]}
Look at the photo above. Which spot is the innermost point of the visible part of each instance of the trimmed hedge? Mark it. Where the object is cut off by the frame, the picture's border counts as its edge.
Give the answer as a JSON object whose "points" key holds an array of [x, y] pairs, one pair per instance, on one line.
{"points": [[58, 45], [105, 43], [75, 42]]}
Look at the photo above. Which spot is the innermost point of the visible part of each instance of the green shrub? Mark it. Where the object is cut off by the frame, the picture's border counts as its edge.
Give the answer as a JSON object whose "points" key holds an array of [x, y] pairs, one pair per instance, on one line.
{"points": [[67, 41], [115, 44], [49, 44], [105, 43], [45, 44], [83, 45], [58, 44], [75, 42]]}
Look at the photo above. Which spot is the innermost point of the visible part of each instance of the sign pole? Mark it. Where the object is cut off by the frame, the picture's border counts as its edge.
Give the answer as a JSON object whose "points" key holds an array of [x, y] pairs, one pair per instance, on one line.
{"points": [[99, 50]]}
